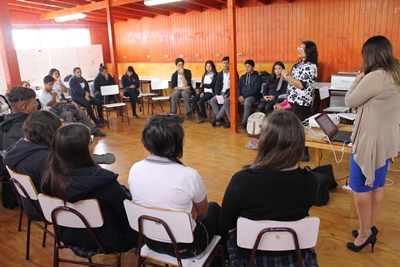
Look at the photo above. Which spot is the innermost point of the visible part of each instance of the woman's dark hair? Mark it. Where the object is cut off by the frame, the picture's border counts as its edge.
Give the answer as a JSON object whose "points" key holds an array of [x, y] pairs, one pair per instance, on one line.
{"points": [[179, 60], [311, 52], [75, 69], [163, 136], [377, 53], [102, 67], [130, 68], [272, 77], [51, 72], [214, 69], [69, 151], [40, 127], [281, 142]]}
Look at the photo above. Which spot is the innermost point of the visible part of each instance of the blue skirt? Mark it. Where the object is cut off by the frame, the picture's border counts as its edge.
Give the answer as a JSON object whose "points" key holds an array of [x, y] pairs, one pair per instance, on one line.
{"points": [[357, 178]]}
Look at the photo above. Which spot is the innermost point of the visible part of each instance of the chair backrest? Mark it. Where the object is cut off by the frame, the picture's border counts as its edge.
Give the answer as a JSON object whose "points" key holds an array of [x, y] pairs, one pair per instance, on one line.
{"points": [[26, 182], [157, 84], [194, 84], [109, 89], [306, 230], [88, 208], [179, 223]]}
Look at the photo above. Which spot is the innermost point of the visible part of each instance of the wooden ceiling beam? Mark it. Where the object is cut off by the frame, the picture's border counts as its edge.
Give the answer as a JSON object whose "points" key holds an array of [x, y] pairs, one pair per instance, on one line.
{"points": [[208, 4], [46, 3], [130, 13], [188, 6], [30, 6], [147, 9], [85, 8]]}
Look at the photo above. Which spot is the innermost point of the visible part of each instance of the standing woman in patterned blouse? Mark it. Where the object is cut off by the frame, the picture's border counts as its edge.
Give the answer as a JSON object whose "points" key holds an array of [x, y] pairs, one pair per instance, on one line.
{"points": [[301, 83]]}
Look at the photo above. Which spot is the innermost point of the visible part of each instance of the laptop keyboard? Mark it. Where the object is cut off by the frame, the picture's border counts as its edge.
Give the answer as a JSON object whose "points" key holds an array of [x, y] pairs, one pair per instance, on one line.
{"points": [[342, 135]]}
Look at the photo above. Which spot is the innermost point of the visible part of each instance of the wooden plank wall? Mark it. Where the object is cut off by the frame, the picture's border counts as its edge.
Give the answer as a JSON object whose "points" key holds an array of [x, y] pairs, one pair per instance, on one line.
{"points": [[265, 33]]}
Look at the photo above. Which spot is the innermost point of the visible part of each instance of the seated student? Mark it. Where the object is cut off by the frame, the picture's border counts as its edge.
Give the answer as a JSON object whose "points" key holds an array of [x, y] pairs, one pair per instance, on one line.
{"points": [[80, 93], [206, 90], [181, 83], [68, 110], [274, 87], [249, 88], [131, 84], [222, 87], [23, 102], [103, 78], [271, 188], [162, 181], [29, 154], [26, 84], [72, 175], [59, 85], [4, 107]]}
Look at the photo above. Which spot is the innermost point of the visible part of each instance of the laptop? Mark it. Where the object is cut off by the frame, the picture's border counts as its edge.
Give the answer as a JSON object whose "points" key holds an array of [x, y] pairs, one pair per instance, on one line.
{"points": [[330, 129]]}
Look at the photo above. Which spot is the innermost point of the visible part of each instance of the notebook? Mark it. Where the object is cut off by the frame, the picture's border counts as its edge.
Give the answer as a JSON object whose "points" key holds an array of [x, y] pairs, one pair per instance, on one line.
{"points": [[330, 129]]}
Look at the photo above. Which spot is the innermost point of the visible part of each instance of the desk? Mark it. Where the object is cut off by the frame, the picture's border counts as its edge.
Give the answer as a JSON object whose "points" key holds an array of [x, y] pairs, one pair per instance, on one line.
{"points": [[314, 139]]}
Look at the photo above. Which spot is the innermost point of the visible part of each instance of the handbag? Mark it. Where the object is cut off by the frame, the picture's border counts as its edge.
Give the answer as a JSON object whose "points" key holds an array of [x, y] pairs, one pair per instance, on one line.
{"points": [[326, 181]]}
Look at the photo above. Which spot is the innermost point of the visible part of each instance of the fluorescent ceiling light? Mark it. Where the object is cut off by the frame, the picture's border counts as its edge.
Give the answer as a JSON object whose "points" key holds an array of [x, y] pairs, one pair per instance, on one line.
{"points": [[71, 17], [158, 2]]}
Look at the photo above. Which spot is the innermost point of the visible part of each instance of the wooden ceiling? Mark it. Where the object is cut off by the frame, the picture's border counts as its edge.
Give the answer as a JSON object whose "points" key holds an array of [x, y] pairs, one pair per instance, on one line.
{"points": [[122, 10]]}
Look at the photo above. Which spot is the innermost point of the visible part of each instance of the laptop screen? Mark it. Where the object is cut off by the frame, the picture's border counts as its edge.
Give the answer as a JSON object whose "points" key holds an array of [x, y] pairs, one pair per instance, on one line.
{"points": [[326, 124]]}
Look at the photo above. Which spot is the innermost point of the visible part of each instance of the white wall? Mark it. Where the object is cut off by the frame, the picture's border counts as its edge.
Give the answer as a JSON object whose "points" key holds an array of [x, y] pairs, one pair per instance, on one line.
{"points": [[34, 64]]}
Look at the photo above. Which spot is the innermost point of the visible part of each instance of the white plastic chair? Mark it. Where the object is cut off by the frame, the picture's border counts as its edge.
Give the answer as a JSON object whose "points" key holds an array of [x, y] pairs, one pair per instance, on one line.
{"points": [[169, 227], [277, 236], [82, 214], [23, 185], [157, 84], [113, 90]]}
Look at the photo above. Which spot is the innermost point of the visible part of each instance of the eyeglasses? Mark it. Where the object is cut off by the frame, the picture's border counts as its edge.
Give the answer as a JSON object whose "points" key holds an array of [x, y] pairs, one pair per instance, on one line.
{"points": [[300, 48]]}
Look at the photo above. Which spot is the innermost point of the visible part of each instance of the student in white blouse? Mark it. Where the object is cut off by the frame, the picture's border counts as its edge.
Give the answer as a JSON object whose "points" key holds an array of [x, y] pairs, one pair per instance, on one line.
{"points": [[208, 82]]}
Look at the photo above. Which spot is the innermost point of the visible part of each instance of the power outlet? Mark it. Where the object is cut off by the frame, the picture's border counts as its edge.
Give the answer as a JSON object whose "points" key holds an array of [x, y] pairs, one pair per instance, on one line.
{"points": [[240, 55]]}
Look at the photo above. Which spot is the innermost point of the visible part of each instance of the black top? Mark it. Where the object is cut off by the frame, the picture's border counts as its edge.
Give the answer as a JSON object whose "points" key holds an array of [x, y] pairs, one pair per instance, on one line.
{"points": [[250, 85], [127, 81], [220, 83], [188, 76], [208, 85], [100, 80], [267, 195], [12, 128]]}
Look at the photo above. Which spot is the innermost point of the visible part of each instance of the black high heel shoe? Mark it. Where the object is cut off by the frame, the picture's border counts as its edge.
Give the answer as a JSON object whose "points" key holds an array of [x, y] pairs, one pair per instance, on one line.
{"points": [[374, 230], [370, 240]]}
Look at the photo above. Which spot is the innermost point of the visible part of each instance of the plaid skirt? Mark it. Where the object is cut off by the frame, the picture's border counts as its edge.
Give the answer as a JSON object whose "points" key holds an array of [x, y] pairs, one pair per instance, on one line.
{"points": [[309, 257]]}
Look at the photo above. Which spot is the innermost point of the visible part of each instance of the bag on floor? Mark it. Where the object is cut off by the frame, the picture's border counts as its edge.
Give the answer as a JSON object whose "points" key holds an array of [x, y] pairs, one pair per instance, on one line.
{"points": [[322, 189], [327, 170], [254, 123]]}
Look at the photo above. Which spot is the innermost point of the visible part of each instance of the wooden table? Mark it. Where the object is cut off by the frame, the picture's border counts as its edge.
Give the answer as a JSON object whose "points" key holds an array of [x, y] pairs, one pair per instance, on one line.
{"points": [[315, 138]]}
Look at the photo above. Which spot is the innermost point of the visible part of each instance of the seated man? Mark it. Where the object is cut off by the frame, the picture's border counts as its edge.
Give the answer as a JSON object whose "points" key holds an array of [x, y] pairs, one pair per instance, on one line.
{"points": [[181, 83], [51, 100], [249, 90], [222, 87]]}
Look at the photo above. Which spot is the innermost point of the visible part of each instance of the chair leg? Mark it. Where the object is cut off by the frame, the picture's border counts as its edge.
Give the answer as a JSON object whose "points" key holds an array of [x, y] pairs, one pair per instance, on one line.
{"points": [[127, 115], [20, 218], [28, 238], [118, 259], [108, 121], [44, 235], [159, 102]]}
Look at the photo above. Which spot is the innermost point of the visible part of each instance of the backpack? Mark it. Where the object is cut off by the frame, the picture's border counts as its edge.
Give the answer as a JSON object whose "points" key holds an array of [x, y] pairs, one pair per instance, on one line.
{"points": [[322, 188], [254, 123]]}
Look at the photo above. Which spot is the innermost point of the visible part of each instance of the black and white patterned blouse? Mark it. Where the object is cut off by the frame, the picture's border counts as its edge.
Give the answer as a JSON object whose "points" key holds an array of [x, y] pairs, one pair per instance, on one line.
{"points": [[306, 73]]}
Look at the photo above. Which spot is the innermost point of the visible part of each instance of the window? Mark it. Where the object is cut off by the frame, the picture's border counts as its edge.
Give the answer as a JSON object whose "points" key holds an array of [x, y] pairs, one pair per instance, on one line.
{"points": [[36, 39]]}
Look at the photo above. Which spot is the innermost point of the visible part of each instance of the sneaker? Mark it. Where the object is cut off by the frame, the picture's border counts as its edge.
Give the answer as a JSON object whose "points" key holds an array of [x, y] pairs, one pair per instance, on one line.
{"points": [[98, 133], [135, 116], [253, 144], [305, 158], [188, 116], [220, 122], [99, 124], [201, 119], [226, 126], [107, 158], [213, 122]]}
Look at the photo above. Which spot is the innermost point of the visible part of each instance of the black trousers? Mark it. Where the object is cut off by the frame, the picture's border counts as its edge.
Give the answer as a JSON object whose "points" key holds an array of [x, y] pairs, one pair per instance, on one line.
{"points": [[133, 97], [81, 100], [203, 234]]}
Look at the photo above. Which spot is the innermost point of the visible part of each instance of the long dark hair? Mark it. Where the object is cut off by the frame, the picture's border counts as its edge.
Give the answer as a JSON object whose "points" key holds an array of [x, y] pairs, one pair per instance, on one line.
{"points": [[69, 151], [272, 78], [163, 136], [40, 127], [131, 69], [214, 69], [377, 53], [311, 52], [281, 142], [51, 72]]}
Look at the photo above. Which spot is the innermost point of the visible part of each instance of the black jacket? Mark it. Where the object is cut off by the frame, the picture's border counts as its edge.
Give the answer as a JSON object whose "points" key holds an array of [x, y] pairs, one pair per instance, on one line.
{"points": [[12, 128], [101, 184], [250, 85], [99, 81], [208, 86], [28, 158], [188, 76]]}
